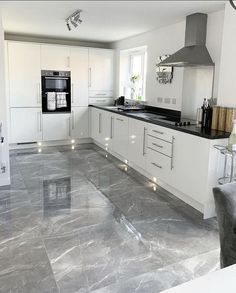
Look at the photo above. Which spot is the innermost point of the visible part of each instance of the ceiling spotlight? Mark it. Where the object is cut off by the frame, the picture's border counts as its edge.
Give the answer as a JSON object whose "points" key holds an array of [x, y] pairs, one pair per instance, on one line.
{"points": [[74, 19]]}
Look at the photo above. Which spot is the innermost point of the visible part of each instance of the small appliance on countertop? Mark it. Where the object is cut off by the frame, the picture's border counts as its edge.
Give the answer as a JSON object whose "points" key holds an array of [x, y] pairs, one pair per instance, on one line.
{"points": [[120, 101], [56, 91]]}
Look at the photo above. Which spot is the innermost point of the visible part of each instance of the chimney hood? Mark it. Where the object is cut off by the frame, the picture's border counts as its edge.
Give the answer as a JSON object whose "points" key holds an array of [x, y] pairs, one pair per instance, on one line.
{"points": [[195, 52]]}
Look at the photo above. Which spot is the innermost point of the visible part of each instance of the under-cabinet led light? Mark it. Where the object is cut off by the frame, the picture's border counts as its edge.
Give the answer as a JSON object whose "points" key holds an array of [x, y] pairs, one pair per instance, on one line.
{"points": [[154, 179], [126, 161]]}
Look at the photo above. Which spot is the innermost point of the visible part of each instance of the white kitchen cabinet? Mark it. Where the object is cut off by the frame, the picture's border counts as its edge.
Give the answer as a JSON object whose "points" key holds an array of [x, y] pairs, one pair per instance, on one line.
{"points": [[79, 76], [120, 135], [102, 127], [55, 57], [26, 125], [79, 122], [56, 126], [100, 72], [24, 74], [137, 142]]}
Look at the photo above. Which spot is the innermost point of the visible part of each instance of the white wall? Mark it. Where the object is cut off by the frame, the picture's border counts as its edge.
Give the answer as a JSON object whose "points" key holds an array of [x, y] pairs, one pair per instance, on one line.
{"points": [[227, 81], [191, 83], [5, 177], [163, 41]]}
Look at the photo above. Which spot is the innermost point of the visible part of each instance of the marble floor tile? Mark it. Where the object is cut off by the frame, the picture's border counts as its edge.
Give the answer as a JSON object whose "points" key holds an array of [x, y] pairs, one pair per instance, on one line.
{"points": [[25, 268], [78, 221]]}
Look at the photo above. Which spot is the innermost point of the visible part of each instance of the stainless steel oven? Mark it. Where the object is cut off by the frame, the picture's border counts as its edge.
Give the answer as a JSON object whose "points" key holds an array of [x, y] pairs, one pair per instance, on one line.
{"points": [[56, 91]]}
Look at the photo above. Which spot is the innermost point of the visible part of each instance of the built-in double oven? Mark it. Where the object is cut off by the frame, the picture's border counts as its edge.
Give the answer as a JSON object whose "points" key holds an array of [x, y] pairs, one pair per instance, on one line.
{"points": [[56, 91]]}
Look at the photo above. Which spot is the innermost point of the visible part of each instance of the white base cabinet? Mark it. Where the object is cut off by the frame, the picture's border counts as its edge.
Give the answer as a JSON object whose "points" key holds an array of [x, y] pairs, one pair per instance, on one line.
{"points": [[137, 142], [56, 127], [79, 122], [26, 125], [185, 164]]}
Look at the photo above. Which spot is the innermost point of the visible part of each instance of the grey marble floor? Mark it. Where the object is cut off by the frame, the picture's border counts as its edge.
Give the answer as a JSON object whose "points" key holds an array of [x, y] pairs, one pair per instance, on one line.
{"points": [[78, 221]]}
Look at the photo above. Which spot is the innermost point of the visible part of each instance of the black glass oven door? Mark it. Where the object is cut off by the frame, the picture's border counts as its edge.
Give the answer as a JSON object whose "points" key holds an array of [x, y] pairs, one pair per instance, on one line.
{"points": [[56, 84]]}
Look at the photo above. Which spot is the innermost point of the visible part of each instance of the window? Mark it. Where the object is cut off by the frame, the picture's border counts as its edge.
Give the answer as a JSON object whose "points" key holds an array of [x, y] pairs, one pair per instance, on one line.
{"points": [[133, 74]]}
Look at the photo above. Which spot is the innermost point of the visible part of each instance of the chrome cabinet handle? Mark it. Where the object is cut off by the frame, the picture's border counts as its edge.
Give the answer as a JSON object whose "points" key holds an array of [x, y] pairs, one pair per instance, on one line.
{"points": [[72, 93], [119, 119], [144, 141], [90, 77], [111, 135], [73, 119], [172, 153], [158, 166], [99, 123], [159, 132], [157, 145], [101, 94]]}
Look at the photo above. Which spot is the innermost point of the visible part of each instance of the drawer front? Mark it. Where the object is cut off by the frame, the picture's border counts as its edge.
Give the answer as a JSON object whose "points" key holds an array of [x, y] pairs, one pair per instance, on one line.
{"points": [[160, 132], [158, 166], [159, 145], [100, 94], [101, 101]]}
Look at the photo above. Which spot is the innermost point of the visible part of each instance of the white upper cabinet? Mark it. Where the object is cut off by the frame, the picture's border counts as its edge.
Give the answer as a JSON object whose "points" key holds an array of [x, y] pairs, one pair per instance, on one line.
{"points": [[24, 74], [79, 122], [79, 76], [54, 57], [100, 72]]}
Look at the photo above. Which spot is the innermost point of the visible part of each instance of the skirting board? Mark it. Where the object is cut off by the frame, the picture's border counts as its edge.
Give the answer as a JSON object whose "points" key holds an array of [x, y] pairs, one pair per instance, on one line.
{"points": [[49, 143]]}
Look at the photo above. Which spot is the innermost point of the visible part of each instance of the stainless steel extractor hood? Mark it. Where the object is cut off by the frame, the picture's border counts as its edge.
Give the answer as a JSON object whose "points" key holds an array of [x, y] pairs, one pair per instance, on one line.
{"points": [[195, 52]]}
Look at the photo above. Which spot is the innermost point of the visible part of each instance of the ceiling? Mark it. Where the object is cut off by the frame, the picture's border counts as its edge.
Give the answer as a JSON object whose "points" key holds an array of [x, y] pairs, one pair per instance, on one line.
{"points": [[103, 21]]}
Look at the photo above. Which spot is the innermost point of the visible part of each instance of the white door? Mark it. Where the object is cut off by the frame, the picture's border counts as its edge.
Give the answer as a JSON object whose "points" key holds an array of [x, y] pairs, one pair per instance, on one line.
{"points": [[137, 142], [24, 74], [26, 125], [79, 122], [106, 122], [100, 70], [79, 76], [56, 126], [120, 135], [55, 57]]}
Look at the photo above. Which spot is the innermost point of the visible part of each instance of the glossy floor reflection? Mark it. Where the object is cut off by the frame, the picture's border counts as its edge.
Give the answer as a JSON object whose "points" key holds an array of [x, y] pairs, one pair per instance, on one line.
{"points": [[76, 221]]}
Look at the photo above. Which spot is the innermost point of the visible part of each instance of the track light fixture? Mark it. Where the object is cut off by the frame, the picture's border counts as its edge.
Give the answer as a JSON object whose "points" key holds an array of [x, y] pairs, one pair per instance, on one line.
{"points": [[74, 19]]}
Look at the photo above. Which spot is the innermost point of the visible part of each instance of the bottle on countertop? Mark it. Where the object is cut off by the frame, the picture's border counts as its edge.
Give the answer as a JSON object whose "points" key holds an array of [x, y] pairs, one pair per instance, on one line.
{"points": [[206, 114], [232, 138], [204, 107]]}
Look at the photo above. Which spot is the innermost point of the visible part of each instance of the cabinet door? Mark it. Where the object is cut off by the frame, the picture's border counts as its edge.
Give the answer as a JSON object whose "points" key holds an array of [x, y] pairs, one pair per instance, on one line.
{"points": [[55, 57], [24, 74], [26, 125], [80, 122], [106, 121], [120, 135], [56, 126], [100, 70], [94, 123], [190, 165], [79, 76], [137, 142]]}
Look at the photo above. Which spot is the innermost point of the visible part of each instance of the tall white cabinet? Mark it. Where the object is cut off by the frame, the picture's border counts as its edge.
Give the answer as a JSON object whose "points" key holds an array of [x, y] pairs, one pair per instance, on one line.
{"points": [[91, 77], [100, 76], [24, 74]]}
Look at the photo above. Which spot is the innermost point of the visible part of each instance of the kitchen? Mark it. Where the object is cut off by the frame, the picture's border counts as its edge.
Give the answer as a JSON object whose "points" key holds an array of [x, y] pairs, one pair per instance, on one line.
{"points": [[95, 181]]}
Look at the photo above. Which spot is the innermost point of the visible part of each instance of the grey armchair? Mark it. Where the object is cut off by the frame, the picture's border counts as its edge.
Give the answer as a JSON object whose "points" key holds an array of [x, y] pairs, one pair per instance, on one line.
{"points": [[225, 201]]}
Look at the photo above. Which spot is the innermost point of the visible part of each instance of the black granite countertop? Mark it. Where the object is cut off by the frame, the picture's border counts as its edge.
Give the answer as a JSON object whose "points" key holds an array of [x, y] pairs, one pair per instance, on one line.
{"points": [[191, 129]]}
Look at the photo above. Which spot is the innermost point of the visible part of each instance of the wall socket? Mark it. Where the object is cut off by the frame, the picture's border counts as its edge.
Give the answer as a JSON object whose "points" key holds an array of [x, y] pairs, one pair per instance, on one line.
{"points": [[167, 100]]}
